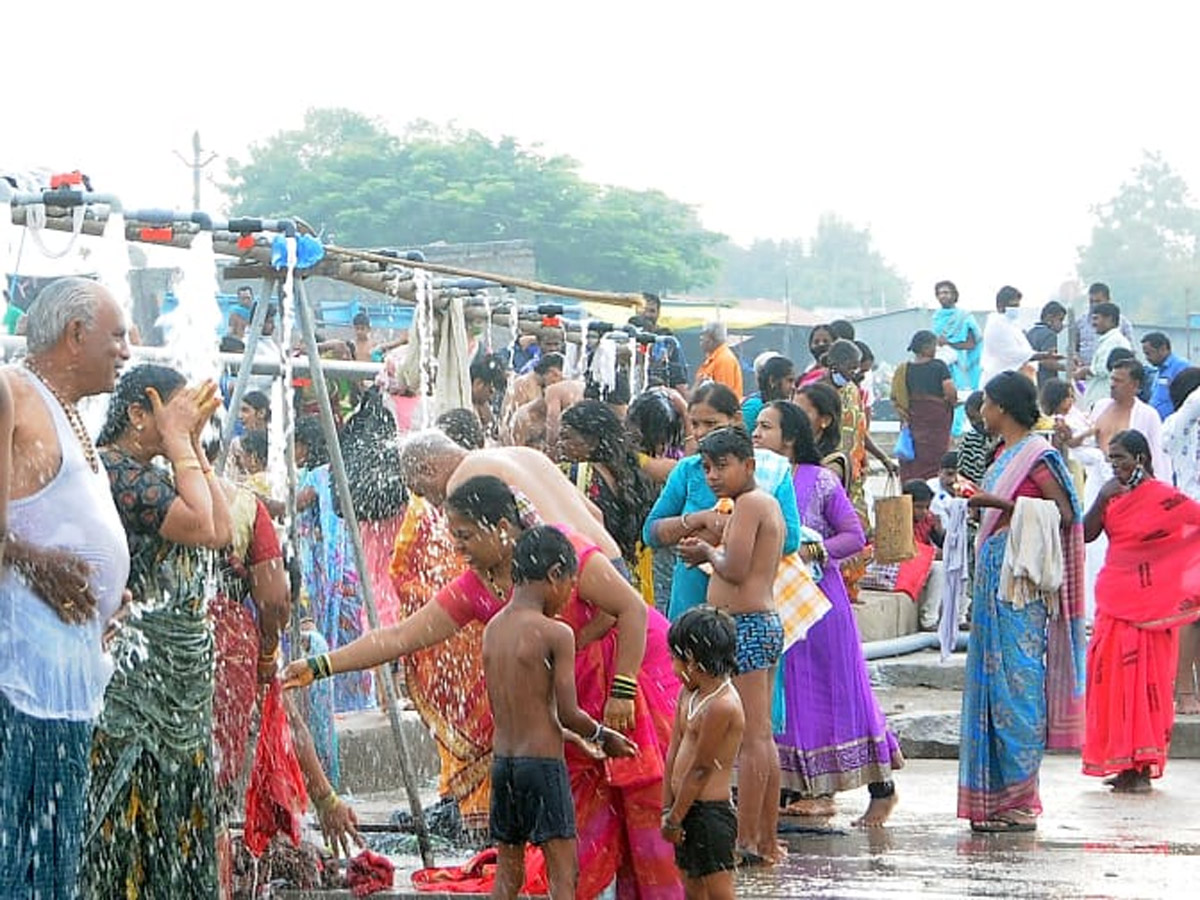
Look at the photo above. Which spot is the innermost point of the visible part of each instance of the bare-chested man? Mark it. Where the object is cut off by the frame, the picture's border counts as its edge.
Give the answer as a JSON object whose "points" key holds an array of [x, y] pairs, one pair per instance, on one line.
{"points": [[432, 466], [1124, 410], [66, 563], [528, 388]]}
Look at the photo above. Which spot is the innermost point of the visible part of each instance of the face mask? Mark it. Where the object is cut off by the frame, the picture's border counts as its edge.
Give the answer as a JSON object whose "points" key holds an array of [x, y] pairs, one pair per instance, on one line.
{"points": [[839, 379], [1012, 313]]}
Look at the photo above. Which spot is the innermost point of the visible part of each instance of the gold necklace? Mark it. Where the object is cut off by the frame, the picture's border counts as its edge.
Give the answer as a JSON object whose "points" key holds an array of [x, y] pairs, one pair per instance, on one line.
{"points": [[73, 417], [495, 588]]}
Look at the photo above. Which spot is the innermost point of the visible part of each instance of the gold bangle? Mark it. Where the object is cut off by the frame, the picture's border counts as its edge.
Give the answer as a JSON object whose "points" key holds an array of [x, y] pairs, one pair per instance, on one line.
{"points": [[189, 464], [326, 803]]}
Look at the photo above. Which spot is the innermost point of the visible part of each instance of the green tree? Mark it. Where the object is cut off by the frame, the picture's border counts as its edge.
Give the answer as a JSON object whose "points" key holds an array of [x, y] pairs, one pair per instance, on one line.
{"points": [[839, 267], [1145, 243], [364, 187]]}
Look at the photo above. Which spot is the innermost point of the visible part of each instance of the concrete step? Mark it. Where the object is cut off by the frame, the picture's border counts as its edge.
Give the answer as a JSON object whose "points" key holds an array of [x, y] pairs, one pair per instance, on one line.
{"points": [[369, 757]]}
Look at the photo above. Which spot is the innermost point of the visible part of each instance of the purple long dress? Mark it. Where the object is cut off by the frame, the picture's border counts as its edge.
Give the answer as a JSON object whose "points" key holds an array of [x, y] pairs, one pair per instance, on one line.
{"points": [[836, 737]]}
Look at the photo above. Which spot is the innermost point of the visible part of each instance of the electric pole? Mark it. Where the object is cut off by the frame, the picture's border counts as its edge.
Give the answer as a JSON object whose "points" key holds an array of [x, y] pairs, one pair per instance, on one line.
{"points": [[196, 165]]}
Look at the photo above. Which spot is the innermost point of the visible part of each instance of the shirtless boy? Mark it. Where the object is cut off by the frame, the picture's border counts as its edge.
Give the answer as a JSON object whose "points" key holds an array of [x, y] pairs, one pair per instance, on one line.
{"points": [[529, 666], [742, 584], [697, 815]]}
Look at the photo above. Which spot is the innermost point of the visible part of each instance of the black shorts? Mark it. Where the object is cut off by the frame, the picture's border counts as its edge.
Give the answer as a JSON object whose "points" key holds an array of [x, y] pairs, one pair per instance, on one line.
{"points": [[709, 836], [531, 800]]}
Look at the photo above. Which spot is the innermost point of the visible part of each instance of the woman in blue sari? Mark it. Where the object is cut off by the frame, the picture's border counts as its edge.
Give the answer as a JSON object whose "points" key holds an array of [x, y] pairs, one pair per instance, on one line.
{"points": [[959, 334], [1025, 661]]}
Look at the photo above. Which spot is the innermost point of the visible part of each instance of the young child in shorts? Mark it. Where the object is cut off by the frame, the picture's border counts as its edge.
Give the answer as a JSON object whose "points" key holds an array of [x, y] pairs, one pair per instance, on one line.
{"points": [[698, 817], [529, 667], [742, 584]]}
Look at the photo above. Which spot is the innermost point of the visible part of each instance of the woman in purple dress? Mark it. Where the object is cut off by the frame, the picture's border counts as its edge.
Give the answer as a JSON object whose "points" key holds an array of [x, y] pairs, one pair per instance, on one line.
{"points": [[835, 737]]}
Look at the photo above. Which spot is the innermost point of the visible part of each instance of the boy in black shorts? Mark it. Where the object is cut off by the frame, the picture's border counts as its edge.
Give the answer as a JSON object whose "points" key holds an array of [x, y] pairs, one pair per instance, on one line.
{"points": [[698, 817], [529, 665]]}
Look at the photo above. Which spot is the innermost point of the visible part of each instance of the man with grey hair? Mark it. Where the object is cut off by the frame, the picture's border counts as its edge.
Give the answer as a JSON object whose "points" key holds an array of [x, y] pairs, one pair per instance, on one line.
{"points": [[432, 466], [720, 364], [65, 565]]}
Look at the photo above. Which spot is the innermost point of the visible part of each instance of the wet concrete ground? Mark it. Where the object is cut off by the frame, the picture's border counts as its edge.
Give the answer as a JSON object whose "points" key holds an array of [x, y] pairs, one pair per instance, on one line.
{"points": [[1090, 843]]}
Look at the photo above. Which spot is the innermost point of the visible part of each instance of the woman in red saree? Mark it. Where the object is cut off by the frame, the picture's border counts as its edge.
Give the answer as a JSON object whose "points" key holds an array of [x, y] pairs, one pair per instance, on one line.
{"points": [[617, 804], [1148, 589]]}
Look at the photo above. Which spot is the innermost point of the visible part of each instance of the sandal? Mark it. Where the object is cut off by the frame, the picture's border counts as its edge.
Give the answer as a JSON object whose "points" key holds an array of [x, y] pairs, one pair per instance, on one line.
{"points": [[1002, 826], [744, 858]]}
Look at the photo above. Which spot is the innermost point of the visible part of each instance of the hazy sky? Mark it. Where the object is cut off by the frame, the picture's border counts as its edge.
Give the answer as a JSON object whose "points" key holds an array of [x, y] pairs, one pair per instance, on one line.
{"points": [[971, 139]]}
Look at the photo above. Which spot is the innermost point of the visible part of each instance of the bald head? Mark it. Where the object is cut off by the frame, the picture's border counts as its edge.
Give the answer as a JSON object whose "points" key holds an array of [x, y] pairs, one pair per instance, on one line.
{"points": [[427, 460]]}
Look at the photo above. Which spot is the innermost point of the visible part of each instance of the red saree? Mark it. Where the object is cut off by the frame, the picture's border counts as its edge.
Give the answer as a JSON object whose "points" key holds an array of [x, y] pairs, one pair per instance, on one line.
{"points": [[1148, 588]]}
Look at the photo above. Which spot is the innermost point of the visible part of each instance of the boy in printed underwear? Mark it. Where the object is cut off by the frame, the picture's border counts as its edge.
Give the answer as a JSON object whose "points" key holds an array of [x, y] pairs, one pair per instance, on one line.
{"points": [[529, 666], [742, 584], [698, 817]]}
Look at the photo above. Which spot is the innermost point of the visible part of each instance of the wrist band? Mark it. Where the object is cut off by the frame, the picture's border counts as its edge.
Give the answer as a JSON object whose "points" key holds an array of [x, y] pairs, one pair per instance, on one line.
{"points": [[624, 687], [326, 803], [598, 734], [320, 666]]}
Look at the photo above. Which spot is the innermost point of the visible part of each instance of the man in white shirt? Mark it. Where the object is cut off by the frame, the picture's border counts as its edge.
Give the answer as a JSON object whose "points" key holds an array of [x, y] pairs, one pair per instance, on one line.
{"points": [[1106, 317]]}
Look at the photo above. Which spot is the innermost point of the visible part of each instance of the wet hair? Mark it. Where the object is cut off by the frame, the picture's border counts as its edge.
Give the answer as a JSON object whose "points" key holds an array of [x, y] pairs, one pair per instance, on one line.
{"points": [[131, 391], [539, 551], [361, 319], [491, 370], [597, 424], [843, 354], [827, 403], [1134, 443], [463, 427], [922, 340], [655, 422], [258, 401], [1157, 340], [975, 401], [1052, 395], [549, 361], [707, 637], [486, 501], [309, 433], [1136, 371], [946, 284], [918, 490], [1109, 311], [57, 305], [865, 353], [842, 330], [1053, 308], [1016, 395], [256, 444], [1183, 384], [719, 397], [795, 428], [949, 460], [772, 372], [722, 442], [1099, 288], [1007, 296]]}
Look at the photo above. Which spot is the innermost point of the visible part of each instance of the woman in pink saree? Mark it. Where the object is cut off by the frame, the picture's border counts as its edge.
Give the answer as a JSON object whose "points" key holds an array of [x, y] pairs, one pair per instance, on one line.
{"points": [[617, 803]]}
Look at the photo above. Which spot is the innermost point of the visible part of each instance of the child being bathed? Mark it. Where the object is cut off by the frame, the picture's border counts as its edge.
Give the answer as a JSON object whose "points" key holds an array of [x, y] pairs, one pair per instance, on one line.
{"points": [[529, 667], [742, 584], [698, 817]]}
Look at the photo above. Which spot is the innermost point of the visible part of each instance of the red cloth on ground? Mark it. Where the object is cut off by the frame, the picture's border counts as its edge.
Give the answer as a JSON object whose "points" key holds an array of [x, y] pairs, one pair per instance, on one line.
{"points": [[369, 873], [1148, 588], [276, 798], [478, 874]]}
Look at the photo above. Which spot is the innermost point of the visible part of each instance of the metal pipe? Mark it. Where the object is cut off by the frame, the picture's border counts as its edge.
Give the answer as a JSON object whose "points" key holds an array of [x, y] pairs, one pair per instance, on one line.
{"points": [[64, 198], [243, 378], [14, 345], [337, 467], [909, 643]]}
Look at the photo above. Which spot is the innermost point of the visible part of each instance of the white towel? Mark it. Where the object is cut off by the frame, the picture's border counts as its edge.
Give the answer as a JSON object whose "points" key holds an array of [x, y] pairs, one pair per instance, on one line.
{"points": [[1033, 556], [955, 553]]}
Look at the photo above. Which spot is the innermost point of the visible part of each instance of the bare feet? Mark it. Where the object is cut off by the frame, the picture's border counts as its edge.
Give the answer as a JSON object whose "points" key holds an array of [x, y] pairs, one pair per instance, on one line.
{"points": [[1187, 704], [811, 808], [878, 811]]}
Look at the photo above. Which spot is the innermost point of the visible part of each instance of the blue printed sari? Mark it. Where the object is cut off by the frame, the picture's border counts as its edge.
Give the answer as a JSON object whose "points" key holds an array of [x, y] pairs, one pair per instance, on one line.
{"points": [[1025, 665]]}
